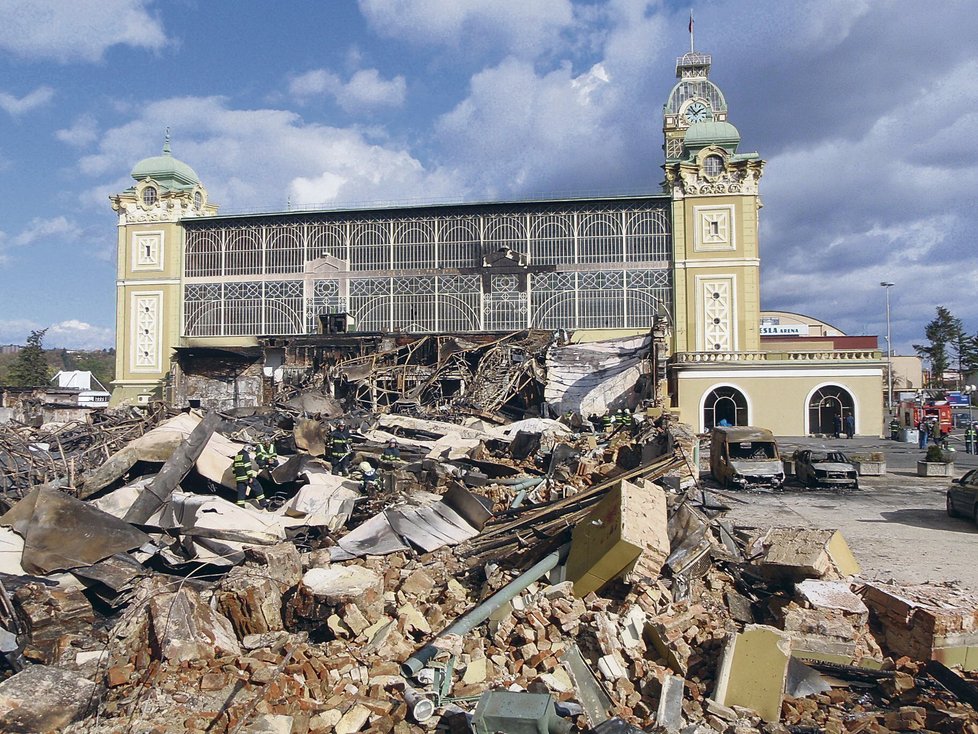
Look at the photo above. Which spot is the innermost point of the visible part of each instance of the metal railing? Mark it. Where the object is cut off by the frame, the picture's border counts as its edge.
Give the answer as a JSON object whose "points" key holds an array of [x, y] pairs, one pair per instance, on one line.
{"points": [[815, 355]]}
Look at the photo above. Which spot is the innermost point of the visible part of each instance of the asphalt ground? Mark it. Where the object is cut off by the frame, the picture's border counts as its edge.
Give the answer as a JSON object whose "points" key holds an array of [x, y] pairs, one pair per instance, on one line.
{"points": [[896, 525]]}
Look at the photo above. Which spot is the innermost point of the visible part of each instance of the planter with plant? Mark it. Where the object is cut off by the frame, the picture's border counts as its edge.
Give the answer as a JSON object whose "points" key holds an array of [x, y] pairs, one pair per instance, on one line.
{"points": [[937, 462]]}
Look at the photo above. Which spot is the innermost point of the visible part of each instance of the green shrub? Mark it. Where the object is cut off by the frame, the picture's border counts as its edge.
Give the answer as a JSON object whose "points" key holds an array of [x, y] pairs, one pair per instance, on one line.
{"points": [[937, 455]]}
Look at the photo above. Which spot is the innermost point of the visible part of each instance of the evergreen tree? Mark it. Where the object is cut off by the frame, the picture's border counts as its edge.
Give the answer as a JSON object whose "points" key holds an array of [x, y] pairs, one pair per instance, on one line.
{"points": [[31, 368], [944, 337]]}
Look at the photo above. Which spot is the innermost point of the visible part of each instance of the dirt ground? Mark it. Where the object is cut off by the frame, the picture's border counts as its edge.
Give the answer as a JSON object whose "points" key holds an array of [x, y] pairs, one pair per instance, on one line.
{"points": [[896, 525]]}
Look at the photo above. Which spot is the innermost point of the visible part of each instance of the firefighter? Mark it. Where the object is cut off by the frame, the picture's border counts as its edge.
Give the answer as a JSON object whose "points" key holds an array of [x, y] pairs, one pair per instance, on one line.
{"points": [[266, 456], [368, 476], [392, 453], [894, 430], [339, 449], [624, 418], [244, 477], [970, 437], [608, 422]]}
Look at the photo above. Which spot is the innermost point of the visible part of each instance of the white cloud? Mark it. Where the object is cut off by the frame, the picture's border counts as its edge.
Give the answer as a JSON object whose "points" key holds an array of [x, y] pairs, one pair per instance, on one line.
{"points": [[364, 91], [77, 29], [40, 229], [260, 159], [16, 331], [83, 131], [75, 334], [69, 334], [32, 100], [518, 132], [512, 26]]}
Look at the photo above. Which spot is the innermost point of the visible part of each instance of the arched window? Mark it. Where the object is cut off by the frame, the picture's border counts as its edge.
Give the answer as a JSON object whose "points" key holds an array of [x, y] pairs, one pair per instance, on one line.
{"points": [[828, 408], [725, 406], [149, 195]]}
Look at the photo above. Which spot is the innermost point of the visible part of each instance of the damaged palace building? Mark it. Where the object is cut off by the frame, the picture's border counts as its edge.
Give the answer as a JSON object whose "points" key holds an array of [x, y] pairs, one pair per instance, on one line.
{"points": [[524, 308]]}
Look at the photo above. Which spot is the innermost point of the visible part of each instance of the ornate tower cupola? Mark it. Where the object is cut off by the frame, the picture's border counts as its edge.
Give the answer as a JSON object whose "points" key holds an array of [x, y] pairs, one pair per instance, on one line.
{"points": [[166, 189], [693, 99], [149, 269]]}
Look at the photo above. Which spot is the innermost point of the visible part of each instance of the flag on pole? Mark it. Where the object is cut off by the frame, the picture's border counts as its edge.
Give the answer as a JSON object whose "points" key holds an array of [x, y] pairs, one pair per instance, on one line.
{"points": [[690, 21]]}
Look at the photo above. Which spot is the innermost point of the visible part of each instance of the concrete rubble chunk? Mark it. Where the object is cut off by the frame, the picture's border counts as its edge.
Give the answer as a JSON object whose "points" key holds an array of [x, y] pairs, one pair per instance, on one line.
{"points": [[830, 622], [52, 617], [280, 562], [353, 720], [926, 622], [42, 698], [794, 554], [183, 628], [322, 590], [669, 714], [252, 603], [270, 724], [753, 670]]}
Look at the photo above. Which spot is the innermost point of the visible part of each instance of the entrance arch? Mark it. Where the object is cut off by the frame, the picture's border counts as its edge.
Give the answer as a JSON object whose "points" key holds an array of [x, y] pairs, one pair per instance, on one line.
{"points": [[725, 405], [825, 405]]}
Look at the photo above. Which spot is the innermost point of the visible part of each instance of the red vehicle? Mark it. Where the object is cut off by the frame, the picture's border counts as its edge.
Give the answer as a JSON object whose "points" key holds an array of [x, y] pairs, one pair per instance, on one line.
{"points": [[911, 413]]}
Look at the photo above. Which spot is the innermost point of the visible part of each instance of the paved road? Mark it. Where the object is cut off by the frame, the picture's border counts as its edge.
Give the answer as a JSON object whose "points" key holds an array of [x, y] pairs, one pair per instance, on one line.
{"points": [[896, 525]]}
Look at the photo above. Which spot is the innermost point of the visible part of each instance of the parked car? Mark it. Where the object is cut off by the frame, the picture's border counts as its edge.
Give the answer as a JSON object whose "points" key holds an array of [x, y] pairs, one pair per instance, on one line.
{"points": [[961, 420], [829, 468], [962, 496]]}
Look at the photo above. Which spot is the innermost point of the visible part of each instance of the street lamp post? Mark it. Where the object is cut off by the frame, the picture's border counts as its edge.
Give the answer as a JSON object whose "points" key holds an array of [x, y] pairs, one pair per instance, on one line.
{"points": [[889, 349]]}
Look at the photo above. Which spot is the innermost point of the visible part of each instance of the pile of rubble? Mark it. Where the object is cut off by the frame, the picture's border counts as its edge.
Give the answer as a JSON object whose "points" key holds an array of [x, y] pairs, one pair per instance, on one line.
{"points": [[536, 576]]}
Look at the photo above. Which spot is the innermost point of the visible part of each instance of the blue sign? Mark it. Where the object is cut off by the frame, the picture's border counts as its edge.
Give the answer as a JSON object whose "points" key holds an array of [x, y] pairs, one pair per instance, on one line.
{"points": [[957, 398]]}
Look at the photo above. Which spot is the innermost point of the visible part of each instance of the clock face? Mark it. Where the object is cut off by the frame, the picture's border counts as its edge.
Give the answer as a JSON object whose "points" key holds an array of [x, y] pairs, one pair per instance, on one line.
{"points": [[697, 112]]}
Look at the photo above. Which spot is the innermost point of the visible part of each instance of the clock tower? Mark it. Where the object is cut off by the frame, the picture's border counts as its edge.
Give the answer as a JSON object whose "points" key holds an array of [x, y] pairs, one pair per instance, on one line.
{"points": [[715, 204], [149, 270]]}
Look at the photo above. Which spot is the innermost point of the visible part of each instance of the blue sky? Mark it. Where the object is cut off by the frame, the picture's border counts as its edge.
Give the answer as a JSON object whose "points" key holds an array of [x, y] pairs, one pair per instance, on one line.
{"points": [[865, 112]]}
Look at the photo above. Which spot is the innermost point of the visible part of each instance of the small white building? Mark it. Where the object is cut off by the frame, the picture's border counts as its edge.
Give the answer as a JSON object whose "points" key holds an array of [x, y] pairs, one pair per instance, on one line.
{"points": [[83, 381]]}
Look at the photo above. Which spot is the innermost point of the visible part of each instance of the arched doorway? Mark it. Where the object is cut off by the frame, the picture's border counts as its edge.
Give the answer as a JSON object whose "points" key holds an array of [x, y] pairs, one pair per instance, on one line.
{"points": [[828, 408], [724, 406]]}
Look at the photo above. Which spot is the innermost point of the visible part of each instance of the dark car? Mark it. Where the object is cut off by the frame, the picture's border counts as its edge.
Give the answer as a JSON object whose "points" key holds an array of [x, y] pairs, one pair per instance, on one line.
{"points": [[962, 496], [961, 420], [815, 468]]}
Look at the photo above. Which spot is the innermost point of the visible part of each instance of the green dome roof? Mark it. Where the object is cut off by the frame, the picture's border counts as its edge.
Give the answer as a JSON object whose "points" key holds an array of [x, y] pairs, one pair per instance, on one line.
{"points": [[701, 134], [166, 169]]}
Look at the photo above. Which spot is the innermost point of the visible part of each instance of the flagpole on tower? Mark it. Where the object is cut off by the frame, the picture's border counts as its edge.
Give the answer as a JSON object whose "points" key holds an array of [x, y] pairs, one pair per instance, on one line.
{"points": [[692, 48]]}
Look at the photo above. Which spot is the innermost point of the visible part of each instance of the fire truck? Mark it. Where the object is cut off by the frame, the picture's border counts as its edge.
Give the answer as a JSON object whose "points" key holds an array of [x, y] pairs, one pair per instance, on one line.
{"points": [[911, 412]]}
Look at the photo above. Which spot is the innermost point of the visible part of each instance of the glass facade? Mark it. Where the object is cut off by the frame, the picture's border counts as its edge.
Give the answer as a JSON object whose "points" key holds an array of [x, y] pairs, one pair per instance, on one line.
{"points": [[552, 265]]}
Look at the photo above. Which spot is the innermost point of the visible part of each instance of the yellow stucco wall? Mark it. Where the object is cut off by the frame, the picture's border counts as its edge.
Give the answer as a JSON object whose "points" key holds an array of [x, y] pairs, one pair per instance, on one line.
{"points": [[779, 399], [737, 260]]}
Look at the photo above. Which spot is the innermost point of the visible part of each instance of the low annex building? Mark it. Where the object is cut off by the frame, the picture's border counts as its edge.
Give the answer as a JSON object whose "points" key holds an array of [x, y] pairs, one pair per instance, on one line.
{"points": [[682, 259]]}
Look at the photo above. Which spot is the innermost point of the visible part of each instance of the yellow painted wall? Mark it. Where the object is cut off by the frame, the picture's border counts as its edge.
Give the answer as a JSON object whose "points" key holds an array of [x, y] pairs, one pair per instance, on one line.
{"points": [[740, 262], [780, 403]]}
